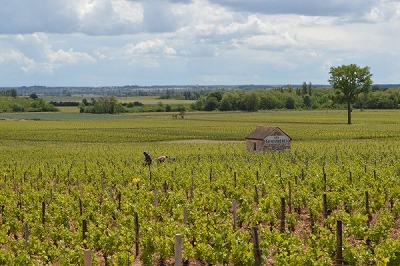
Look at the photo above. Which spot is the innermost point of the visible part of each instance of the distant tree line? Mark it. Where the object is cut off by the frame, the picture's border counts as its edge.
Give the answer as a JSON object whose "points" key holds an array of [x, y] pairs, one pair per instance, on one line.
{"points": [[181, 95], [102, 105], [305, 97], [24, 104], [61, 103], [9, 93]]}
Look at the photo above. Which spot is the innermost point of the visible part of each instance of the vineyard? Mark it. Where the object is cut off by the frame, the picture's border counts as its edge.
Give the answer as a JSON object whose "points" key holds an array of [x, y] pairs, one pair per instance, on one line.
{"points": [[70, 185]]}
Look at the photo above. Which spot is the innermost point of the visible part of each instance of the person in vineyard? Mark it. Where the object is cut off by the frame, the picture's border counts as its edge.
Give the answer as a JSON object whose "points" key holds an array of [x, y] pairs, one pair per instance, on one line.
{"points": [[147, 159], [162, 159]]}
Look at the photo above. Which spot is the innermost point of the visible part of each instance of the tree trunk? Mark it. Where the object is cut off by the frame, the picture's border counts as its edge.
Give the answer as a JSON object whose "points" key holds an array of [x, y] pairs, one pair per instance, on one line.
{"points": [[348, 111]]}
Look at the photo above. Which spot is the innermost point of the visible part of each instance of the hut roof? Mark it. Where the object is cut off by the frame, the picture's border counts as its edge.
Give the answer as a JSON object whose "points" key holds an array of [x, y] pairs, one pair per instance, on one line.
{"points": [[263, 131]]}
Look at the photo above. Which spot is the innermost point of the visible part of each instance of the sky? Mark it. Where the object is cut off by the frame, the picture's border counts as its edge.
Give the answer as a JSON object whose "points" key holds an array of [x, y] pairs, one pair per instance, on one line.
{"points": [[195, 42]]}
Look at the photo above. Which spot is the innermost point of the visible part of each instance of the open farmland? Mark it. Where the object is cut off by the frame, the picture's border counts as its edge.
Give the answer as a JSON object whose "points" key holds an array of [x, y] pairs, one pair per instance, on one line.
{"points": [[73, 182]]}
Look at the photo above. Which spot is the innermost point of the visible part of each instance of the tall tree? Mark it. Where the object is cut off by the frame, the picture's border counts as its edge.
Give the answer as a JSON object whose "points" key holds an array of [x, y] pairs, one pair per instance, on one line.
{"points": [[348, 81]]}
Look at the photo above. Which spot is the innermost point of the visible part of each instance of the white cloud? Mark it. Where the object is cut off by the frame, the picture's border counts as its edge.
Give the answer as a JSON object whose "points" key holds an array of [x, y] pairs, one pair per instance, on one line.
{"points": [[385, 10], [33, 53], [299, 7], [194, 41]]}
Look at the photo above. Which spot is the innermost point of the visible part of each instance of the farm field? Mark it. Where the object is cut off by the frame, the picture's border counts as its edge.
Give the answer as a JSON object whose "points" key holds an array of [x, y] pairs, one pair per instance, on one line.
{"points": [[73, 182]]}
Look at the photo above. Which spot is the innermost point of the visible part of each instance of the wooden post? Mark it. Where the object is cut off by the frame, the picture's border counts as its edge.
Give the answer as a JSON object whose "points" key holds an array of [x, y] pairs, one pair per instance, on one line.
{"points": [[191, 189], [185, 215], [80, 207], [84, 230], [324, 206], [324, 181], [234, 207], [367, 210], [43, 212], [26, 233], [136, 234], [282, 229], [111, 192], [339, 243], [178, 250], [119, 196], [255, 194], [257, 250], [234, 179], [290, 197], [87, 258], [165, 186], [102, 182]]}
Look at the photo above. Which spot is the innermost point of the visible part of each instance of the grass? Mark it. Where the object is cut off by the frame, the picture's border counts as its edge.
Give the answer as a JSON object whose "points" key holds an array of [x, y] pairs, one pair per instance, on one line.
{"points": [[60, 145], [305, 126]]}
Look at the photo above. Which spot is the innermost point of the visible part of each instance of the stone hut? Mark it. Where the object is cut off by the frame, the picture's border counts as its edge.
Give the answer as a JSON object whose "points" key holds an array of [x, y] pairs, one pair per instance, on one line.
{"points": [[267, 138]]}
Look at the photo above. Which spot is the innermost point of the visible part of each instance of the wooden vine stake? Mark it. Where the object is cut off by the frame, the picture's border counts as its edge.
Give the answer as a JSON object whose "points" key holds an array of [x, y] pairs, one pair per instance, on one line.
{"points": [[191, 189], [87, 258], [257, 250], [84, 231], [367, 210], [234, 207], [119, 196], [185, 218], [290, 197], [324, 206], [282, 229], [339, 243], [26, 233], [43, 211], [256, 194], [178, 250], [80, 207], [136, 234]]}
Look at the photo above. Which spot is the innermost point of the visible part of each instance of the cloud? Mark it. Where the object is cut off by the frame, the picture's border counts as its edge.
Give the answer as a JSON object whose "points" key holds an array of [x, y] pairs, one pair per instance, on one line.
{"points": [[34, 54], [299, 7], [193, 41], [158, 17], [21, 17], [105, 17], [94, 17], [384, 11]]}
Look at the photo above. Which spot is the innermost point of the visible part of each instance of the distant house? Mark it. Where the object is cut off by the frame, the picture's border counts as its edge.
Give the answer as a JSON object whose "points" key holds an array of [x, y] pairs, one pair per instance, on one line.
{"points": [[267, 138]]}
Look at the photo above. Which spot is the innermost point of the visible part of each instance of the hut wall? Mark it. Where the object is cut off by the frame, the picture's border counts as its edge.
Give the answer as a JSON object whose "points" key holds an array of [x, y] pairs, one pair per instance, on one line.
{"points": [[258, 144]]}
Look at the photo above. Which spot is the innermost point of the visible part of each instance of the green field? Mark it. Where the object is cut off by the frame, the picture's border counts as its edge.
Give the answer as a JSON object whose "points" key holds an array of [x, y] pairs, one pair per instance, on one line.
{"points": [[302, 126], [75, 167]]}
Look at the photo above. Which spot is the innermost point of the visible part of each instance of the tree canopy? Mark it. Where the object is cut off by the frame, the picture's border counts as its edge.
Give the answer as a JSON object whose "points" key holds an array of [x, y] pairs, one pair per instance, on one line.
{"points": [[348, 81]]}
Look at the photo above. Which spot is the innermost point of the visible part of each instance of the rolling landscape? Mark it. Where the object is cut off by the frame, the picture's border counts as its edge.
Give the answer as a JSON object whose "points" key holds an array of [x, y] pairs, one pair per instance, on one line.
{"points": [[74, 186], [199, 133]]}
